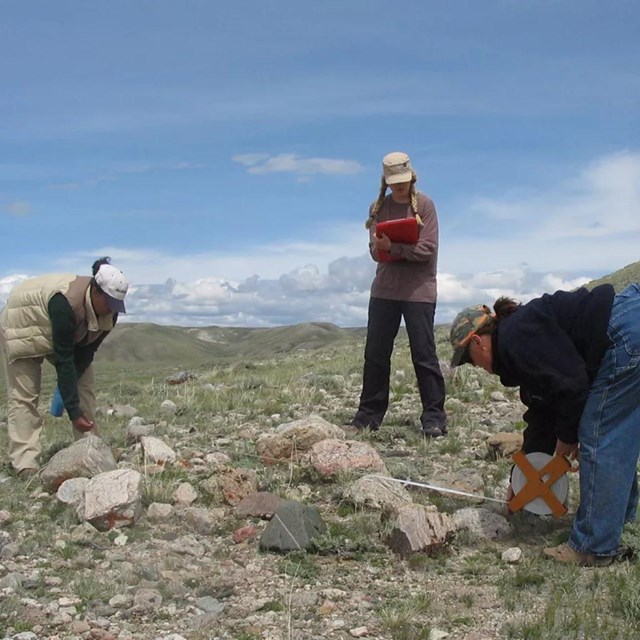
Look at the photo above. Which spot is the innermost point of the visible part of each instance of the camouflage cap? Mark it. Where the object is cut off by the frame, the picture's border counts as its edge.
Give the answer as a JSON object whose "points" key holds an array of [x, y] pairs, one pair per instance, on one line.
{"points": [[466, 323]]}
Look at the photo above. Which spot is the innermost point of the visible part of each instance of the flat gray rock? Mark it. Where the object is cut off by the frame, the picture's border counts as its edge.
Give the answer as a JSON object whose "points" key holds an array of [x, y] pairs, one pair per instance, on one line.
{"points": [[292, 528]]}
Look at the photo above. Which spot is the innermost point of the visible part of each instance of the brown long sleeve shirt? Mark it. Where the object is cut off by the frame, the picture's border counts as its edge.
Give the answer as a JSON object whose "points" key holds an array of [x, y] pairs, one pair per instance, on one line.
{"points": [[413, 277]]}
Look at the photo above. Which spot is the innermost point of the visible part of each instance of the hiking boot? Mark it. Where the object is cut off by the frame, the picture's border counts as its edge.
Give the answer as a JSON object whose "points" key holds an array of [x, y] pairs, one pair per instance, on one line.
{"points": [[434, 431], [350, 429], [565, 554], [362, 421], [27, 474]]}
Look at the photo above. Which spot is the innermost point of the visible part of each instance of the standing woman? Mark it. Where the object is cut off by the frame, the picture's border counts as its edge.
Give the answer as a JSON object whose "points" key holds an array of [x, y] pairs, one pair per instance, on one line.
{"points": [[403, 287]]}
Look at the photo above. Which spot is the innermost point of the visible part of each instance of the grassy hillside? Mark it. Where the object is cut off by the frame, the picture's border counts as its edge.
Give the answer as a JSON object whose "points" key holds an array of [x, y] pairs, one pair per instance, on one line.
{"points": [[170, 348], [146, 342], [191, 557], [184, 346], [621, 278]]}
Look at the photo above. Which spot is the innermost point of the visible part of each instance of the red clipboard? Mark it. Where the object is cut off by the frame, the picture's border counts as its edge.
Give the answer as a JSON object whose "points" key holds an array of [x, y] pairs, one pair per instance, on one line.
{"points": [[404, 230]]}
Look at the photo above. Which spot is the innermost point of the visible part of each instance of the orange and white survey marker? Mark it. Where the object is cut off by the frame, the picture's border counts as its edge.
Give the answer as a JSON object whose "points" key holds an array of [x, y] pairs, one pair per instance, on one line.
{"points": [[540, 483]]}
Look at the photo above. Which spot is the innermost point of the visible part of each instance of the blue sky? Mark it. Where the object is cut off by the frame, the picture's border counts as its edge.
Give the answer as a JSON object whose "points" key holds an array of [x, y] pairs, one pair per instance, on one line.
{"points": [[225, 154]]}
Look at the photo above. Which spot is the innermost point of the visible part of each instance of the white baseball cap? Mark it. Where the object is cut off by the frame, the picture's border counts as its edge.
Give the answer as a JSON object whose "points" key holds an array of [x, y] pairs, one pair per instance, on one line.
{"points": [[114, 285], [396, 167]]}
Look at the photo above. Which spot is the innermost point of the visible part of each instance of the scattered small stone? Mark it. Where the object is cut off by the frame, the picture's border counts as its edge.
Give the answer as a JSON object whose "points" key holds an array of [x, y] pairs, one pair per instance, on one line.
{"points": [[244, 533], [512, 555], [169, 407], [258, 505], [180, 378], [122, 411], [159, 511], [210, 605], [185, 494]]}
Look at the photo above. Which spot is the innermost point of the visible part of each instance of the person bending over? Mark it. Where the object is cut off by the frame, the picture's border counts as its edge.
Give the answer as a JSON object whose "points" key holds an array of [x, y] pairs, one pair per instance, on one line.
{"points": [[576, 358], [64, 318]]}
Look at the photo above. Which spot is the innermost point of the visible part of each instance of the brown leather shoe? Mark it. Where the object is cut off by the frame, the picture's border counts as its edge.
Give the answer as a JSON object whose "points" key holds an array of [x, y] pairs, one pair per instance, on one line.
{"points": [[434, 431], [27, 474], [564, 553]]}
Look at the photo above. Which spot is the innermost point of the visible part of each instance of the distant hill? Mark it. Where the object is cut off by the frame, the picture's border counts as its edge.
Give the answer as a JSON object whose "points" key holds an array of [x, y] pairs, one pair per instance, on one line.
{"points": [[146, 342], [619, 279], [143, 343], [187, 346]]}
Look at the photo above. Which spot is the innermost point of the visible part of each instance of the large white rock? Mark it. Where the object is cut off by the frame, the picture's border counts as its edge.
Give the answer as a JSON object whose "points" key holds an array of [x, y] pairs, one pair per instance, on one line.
{"points": [[482, 523], [329, 457], [71, 491], [85, 458], [377, 493], [112, 499], [291, 439], [419, 528]]}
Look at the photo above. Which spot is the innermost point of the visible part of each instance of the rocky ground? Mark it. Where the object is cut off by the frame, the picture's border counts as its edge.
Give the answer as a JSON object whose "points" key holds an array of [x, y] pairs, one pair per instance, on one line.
{"points": [[180, 549]]}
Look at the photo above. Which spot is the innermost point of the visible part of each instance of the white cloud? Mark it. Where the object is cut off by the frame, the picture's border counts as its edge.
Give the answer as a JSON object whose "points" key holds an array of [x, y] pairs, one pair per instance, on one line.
{"points": [[307, 294], [291, 163], [519, 247], [205, 291], [117, 173], [588, 223], [551, 282], [7, 283], [603, 200]]}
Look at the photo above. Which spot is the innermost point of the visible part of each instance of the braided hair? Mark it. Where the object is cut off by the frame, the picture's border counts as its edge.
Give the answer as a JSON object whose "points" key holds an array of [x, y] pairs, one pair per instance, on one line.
{"points": [[373, 216]]}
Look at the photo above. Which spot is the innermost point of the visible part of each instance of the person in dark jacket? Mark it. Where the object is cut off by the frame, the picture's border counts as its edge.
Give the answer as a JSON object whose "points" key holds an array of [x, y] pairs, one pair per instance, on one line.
{"points": [[576, 358]]}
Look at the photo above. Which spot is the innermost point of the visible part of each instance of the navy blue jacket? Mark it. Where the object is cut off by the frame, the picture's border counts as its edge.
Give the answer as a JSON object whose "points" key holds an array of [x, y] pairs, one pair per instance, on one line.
{"points": [[551, 348]]}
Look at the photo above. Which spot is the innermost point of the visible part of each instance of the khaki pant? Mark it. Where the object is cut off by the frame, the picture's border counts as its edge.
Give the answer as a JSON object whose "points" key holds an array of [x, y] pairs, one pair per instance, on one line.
{"points": [[24, 422]]}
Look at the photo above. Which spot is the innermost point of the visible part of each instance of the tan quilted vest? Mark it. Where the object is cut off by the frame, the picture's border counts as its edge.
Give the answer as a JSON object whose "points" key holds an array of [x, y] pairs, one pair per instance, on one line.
{"points": [[25, 321]]}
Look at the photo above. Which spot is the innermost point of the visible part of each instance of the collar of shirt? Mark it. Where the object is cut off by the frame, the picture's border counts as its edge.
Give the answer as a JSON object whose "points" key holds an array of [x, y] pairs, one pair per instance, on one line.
{"points": [[95, 322]]}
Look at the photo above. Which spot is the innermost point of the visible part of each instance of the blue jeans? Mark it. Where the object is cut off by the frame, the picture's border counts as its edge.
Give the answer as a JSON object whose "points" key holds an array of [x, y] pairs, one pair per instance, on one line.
{"points": [[609, 436]]}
